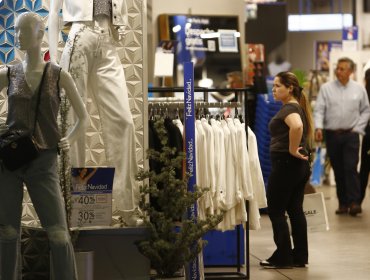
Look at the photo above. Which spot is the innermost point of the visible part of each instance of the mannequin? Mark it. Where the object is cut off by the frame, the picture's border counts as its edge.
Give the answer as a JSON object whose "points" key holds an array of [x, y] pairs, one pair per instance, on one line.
{"points": [[91, 57], [40, 176]]}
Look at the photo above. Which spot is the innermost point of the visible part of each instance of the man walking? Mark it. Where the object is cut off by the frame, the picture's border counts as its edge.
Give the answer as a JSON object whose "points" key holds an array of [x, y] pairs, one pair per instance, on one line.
{"points": [[342, 110]]}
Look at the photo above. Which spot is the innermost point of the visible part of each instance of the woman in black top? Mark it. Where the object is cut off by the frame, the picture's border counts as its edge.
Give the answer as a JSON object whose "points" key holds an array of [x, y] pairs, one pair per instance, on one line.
{"points": [[290, 129]]}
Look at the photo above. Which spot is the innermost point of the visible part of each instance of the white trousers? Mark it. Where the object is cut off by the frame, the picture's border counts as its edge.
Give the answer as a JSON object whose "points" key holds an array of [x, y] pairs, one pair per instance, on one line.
{"points": [[92, 60]]}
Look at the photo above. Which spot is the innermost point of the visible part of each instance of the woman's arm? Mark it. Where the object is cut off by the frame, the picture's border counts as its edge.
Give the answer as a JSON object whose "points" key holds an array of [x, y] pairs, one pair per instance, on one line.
{"points": [[295, 124], [53, 24], [88, 176], [66, 82]]}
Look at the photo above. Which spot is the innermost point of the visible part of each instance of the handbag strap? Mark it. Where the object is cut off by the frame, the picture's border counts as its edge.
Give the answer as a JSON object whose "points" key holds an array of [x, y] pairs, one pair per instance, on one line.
{"points": [[39, 97]]}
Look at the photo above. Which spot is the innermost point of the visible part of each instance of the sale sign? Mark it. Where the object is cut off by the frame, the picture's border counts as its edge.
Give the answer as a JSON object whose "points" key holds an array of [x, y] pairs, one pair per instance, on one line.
{"points": [[91, 196]]}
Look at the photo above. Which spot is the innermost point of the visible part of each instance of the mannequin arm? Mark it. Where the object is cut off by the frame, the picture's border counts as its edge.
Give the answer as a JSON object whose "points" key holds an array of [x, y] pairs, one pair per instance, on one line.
{"points": [[66, 82], [3, 78], [53, 23], [3, 128], [3, 84]]}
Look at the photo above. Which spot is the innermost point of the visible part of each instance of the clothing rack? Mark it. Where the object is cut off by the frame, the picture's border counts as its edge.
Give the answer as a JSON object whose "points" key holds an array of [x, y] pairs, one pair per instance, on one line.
{"points": [[166, 102], [198, 104]]}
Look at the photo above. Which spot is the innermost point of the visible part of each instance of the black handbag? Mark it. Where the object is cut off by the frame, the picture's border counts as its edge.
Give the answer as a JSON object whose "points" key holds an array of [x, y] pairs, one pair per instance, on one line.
{"points": [[18, 147]]}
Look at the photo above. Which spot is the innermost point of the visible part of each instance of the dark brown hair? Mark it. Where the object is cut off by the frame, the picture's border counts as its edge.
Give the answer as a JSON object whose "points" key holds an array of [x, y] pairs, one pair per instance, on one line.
{"points": [[367, 82], [289, 79], [349, 61]]}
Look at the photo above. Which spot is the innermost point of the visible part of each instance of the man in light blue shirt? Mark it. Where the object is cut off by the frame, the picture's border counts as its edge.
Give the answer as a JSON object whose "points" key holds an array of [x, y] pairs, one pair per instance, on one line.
{"points": [[342, 110]]}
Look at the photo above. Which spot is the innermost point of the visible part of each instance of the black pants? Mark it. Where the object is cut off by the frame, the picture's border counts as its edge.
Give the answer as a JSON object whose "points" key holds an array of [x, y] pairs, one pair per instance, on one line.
{"points": [[365, 164], [343, 151], [285, 193]]}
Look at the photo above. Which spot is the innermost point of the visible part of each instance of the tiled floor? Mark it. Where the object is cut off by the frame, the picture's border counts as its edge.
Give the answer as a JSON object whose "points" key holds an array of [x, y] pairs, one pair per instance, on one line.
{"points": [[342, 253]]}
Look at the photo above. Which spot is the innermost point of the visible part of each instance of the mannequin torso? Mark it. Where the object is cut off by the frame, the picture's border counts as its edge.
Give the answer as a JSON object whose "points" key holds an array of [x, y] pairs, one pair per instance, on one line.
{"points": [[29, 34], [33, 74]]}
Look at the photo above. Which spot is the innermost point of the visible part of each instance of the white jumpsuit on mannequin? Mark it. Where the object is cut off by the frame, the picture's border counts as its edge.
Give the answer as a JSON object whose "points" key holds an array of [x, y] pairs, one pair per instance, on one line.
{"points": [[91, 57]]}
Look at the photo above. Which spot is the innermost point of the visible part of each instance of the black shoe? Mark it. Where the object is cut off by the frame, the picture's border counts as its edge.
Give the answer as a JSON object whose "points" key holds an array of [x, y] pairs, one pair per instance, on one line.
{"points": [[267, 264], [300, 265], [355, 209], [342, 210]]}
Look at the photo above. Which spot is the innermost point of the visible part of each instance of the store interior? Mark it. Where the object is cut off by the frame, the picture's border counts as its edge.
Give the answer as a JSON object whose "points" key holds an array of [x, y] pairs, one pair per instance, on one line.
{"points": [[234, 46]]}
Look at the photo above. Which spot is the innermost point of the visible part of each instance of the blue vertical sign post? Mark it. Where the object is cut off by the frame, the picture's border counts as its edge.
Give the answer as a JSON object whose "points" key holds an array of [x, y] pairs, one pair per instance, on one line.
{"points": [[189, 113]]}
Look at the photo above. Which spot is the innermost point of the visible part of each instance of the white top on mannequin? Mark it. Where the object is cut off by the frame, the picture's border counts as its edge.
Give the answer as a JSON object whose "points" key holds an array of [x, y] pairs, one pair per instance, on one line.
{"points": [[29, 35], [81, 11]]}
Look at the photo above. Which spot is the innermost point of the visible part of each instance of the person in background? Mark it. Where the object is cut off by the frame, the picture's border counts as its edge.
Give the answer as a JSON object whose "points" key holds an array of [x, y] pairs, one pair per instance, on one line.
{"points": [[342, 109], [291, 130], [24, 82], [81, 177], [278, 65], [365, 148]]}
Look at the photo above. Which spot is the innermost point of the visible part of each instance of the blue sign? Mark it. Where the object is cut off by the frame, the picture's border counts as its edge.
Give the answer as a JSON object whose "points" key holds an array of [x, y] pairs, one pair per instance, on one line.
{"points": [[91, 196], [350, 33], [189, 114]]}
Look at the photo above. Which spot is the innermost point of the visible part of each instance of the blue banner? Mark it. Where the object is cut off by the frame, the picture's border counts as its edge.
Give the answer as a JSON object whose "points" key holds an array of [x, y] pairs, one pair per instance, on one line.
{"points": [[91, 196], [189, 113], [350, 33]]}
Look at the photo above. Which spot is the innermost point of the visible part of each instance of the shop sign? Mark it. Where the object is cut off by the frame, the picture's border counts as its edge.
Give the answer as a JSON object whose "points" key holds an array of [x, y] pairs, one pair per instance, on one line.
{"points": [[350, 38], [189, 113], [91, 196]]}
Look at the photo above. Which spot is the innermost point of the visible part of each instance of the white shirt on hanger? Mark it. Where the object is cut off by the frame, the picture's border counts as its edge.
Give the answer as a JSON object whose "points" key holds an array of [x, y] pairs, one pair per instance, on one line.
{"points": [[219, 165], [210, 156], [259, 197], [243, 161]]}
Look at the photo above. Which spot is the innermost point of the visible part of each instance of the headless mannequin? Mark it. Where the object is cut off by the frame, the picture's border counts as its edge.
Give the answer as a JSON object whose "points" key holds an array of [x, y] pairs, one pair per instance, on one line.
{"points": [[40, 176], [91, 57]]}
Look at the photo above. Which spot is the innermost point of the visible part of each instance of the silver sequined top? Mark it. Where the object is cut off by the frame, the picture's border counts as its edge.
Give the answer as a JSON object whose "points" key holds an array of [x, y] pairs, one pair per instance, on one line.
{"points": [[22, 105], [102, 7]]}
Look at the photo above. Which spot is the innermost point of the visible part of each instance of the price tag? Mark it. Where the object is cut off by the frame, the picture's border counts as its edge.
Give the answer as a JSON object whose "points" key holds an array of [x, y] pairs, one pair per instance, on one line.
{"points": [[91, 196]]}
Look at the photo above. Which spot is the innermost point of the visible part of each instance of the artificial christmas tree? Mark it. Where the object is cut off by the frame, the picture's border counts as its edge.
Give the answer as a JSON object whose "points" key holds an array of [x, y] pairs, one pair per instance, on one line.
{"points": [[173, 239]]}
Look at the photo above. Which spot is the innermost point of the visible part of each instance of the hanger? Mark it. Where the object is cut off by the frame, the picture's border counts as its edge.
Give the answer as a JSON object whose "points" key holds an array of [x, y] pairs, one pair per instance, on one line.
{"points": [[236, 113]]}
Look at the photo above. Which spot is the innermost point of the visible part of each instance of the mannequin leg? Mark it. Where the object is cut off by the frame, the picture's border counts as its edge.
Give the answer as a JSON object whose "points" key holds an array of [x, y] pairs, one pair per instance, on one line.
{"points": [[117, 125], [78, 60], [99, 74], [11, 194], [43, 186]]}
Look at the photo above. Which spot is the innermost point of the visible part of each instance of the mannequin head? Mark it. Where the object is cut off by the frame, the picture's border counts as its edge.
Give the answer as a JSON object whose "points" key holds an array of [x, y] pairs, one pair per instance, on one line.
{"points": [[29, 30]]}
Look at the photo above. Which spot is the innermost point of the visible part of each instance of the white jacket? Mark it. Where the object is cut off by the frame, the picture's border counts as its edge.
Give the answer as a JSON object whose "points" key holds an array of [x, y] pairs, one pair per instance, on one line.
{"points": [[82, 10]]}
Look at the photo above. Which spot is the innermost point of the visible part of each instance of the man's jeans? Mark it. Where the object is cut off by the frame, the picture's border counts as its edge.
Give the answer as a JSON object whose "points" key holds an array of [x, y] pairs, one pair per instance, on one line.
{"points": [[92, 60], [42, 181]]}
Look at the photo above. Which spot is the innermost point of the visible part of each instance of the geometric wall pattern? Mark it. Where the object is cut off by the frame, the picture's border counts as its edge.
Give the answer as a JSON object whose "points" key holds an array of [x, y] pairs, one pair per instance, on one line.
{"points": [[132, 57]]}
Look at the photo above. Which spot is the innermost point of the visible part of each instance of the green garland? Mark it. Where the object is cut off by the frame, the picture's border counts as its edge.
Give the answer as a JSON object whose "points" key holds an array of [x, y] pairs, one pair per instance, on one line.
{"points": [[65, 167]]}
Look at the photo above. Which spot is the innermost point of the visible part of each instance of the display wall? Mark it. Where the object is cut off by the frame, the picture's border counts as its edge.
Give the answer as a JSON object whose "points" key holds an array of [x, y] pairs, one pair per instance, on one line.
{"points": [[133, 58]]}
